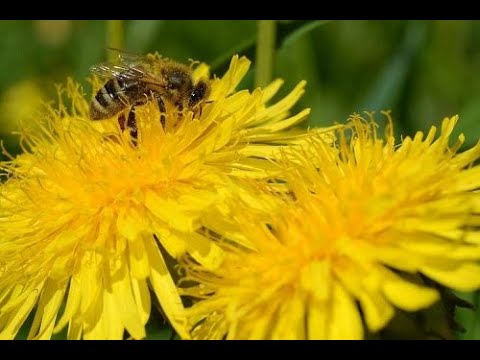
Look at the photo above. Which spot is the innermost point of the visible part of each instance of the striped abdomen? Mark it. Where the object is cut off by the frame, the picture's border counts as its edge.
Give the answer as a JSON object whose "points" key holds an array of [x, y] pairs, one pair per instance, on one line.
{"points": [[113, 97]]}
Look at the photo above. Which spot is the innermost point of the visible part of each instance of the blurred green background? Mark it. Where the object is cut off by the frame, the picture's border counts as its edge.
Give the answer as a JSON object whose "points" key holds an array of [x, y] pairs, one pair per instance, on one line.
{"points": [[421, 70]]}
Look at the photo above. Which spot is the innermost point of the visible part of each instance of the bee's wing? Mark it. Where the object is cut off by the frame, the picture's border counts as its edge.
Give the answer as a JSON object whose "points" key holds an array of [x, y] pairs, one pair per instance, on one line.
{"points": [[119, 71], [126, 57], [128, 66]]}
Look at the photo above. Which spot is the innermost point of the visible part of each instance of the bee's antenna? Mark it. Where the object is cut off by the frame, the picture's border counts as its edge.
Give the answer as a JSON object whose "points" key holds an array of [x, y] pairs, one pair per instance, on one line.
{"points": [[193, 62]]}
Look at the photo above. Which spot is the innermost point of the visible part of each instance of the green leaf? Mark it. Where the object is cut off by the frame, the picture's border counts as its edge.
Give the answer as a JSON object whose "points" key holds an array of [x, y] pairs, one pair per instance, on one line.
{"points": [[246, 47], [391, 80], [469, 115], [159, 333], [140, 33], [468, 318], [288, 31], [292, 31]]}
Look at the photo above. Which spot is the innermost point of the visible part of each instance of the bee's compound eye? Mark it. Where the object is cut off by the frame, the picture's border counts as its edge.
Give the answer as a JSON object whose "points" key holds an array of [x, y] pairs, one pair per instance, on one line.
{"points": [[198, 93], [195, 96]]}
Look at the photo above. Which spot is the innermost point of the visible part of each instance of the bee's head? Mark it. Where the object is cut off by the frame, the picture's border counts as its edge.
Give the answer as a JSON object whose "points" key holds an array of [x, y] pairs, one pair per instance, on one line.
{"points": [[198, 93]]}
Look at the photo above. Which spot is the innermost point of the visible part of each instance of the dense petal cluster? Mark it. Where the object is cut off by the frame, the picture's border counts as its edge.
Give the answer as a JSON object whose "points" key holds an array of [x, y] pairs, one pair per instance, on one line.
{"points": [[363, 223], [84, 212]]}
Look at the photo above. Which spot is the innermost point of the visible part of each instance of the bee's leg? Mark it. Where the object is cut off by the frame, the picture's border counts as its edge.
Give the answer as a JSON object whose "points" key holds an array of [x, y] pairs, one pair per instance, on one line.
{"points": [[179, 106], [199, 111], [180, 113], [122, 122], [200, 105], [132, 125], [163, 110]]}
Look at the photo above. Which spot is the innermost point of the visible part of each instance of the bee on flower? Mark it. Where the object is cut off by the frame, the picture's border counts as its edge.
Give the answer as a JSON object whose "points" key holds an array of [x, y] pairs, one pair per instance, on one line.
{"points": [[85, 213]]}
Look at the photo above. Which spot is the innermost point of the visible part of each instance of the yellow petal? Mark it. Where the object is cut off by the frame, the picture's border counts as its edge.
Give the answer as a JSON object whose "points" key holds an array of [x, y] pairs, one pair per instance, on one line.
{"points": [[142, 299], [259, 329], [109, 325], [378, 312], [285, 104], [202, 71], [316, 279], [448, 125], [165, 289], [204, 251], [125, 302], [284, 124], [113, 326], [467, 180], [90, 282], [95, 319], [91, 318], [430, 225], [467, 157], [18, 294], [104, 228], [472, 237], [462, 277], [174, 246], [266, 151], [18, 316], [198, 200], [169, 212], [237, 70], [75, 330], [439, 247], [408, 296], [138, 259], [73, 303], [399, 259], [47, 310], [345, 322], [290, 319], [129, 224], [318, 315], [271, 89]]}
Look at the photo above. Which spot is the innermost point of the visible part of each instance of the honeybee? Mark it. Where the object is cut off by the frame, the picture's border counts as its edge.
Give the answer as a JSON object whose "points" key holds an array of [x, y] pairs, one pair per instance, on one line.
{"points": [[134, 80]]}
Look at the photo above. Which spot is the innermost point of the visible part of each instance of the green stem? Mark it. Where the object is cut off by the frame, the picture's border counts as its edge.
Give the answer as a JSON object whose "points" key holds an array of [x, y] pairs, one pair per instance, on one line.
{"points": [[265, 51], [115, 37]]}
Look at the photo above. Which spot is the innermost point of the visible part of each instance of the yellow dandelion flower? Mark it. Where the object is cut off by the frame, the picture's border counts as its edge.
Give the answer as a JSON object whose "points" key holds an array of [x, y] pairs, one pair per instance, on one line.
{"points": [[79, 208], [366, 218]]}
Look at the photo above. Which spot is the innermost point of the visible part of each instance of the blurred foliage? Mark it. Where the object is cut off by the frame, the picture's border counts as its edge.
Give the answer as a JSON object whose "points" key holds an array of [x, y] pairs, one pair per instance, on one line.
{"points": [[421, 70]]}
